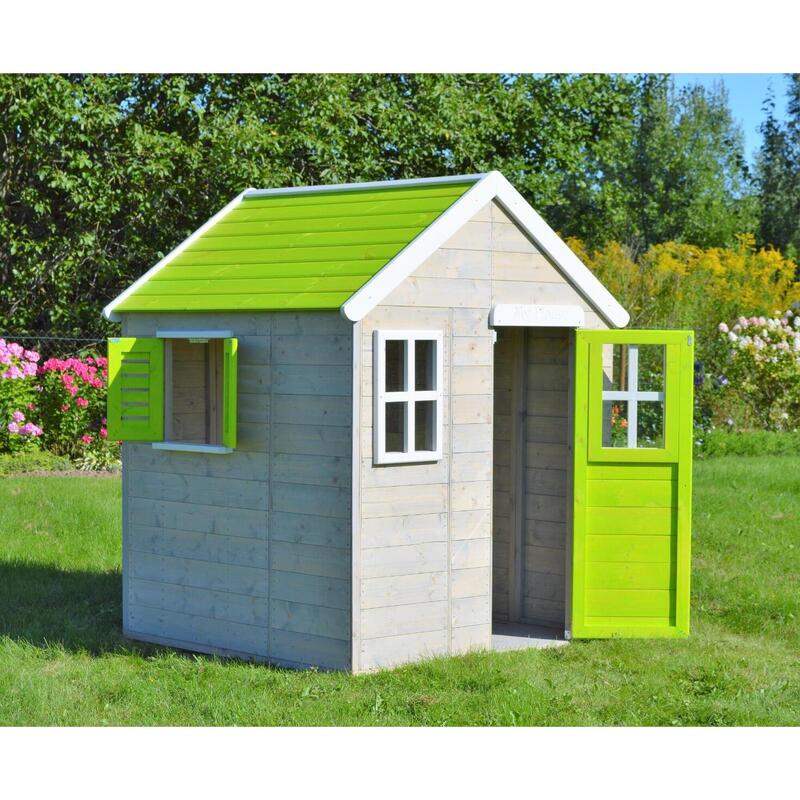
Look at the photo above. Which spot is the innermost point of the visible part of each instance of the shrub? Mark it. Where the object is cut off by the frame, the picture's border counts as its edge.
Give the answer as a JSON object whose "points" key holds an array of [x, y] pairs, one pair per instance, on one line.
{"points": [[73, 400], [33, 461], [762, 368], [719, 442], [58, 405], [18, 409]]}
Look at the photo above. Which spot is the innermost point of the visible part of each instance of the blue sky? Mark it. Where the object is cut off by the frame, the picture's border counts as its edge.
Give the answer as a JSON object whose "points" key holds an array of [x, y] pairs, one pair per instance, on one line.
{"points": [[746, 93]]}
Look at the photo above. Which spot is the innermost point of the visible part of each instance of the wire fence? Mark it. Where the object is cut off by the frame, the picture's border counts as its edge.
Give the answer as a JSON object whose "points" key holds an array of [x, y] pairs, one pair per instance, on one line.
{"points": [[50, 345]]}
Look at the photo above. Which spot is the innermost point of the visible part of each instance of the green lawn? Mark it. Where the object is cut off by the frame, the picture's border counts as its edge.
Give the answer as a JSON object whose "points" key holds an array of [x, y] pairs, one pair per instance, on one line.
{"points": [[63, 659]]}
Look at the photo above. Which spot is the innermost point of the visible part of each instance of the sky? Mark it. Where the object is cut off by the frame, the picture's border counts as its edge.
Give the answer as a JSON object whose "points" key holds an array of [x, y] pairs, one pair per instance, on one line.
{"points": [[746, 93]]}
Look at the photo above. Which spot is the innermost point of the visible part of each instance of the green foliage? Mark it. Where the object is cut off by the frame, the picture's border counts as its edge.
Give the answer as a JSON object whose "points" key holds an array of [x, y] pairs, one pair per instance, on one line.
{"points": [[720, 442], [761, 368], [32, 461], [101, 175], [64, 661], [778, 174], [677, 172]]}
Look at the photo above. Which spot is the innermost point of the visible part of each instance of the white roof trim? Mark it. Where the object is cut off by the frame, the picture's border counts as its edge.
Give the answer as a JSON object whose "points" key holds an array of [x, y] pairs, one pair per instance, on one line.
{"points": [[493, 186], [536, 316], [108, 311]]}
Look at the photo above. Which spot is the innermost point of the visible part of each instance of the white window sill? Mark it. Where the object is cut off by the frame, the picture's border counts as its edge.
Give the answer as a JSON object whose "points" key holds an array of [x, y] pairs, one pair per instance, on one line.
{"points": [[186, 447], [420, 457]]}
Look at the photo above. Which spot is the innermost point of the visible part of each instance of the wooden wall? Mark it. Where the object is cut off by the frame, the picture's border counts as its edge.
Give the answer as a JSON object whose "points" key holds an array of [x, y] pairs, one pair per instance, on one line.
{"points": [[189, 392], [547, 462], [249, 553], [424, 531]]}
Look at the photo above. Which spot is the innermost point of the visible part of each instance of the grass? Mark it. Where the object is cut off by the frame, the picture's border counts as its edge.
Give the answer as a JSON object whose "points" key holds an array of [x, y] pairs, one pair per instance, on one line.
{"points": [[63, 660]]}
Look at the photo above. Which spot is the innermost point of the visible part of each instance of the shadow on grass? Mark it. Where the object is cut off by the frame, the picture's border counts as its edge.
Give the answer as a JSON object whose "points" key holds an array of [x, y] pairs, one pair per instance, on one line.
{"points": [[78, 610]]}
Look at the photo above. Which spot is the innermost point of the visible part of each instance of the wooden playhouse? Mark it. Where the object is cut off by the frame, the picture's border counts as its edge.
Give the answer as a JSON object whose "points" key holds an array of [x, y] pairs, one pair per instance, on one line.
{"points": [[365, 423]]}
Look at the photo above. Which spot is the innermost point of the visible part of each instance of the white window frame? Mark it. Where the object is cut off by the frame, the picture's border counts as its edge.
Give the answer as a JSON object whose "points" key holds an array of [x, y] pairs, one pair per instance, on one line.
{"points": [[409, 396], [633, 396]]}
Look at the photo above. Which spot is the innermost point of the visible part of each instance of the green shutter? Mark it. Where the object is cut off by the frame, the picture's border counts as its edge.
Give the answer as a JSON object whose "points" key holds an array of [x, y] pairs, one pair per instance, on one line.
{"points": [[136, 389], [632, 505], [229, 377]]}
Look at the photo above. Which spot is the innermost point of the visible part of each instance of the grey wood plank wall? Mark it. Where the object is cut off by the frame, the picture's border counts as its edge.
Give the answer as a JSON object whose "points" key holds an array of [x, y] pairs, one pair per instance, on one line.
{"points": [[426, 529], [249, 552]]}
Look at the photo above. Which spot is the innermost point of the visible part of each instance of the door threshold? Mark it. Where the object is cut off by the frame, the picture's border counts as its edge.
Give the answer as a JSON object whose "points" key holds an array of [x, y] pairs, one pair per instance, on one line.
{"points": [[518, 636]]}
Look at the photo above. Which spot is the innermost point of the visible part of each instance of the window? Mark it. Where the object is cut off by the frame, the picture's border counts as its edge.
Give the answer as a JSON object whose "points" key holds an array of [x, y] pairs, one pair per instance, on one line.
{"points": [[633, 396], [407, 422], [177, 390]]}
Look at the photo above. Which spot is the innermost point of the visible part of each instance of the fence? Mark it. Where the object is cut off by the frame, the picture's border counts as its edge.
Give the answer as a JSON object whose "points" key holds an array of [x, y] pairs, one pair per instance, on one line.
{"points": [[55, 346]]}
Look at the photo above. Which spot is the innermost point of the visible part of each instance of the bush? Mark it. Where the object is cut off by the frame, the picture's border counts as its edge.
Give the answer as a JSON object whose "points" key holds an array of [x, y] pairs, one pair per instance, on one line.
{"points": [[58, 405], [33, 461], [719, 442], [761, 369], [18, 368]]}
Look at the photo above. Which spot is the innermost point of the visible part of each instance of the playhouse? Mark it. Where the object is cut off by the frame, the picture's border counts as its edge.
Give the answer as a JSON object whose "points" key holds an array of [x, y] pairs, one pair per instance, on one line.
{"points": [[365, 423]]}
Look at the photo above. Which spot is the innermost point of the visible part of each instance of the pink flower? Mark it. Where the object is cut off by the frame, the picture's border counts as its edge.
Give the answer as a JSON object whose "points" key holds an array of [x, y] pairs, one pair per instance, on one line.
{"points": [[67, 379], [81, 401], [31, 407], [87, 439], [103, 433], [65, 407], [73, 390], [18, 416], [31, 355], [13, 427], [29, 429]]}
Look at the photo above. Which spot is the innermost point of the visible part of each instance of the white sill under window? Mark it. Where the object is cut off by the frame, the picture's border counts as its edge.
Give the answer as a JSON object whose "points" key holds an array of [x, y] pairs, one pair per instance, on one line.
{"points": [[187, 447]]}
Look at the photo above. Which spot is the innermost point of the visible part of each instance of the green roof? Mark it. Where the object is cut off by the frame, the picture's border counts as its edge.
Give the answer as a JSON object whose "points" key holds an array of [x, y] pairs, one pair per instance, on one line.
{"points": [[293, 249]]}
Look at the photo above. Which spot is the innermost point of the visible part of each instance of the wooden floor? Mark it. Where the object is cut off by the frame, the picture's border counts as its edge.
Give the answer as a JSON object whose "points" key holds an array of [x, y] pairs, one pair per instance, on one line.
{"points": [[516, 636]]}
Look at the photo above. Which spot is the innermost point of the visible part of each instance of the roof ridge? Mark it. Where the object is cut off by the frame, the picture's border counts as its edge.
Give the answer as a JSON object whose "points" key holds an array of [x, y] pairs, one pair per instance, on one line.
{"points": [[387, 184]]}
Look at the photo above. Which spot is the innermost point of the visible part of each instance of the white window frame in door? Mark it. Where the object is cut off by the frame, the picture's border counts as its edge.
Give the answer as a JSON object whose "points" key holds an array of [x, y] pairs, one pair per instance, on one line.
{"points": [[410, 396], [633, 396]]}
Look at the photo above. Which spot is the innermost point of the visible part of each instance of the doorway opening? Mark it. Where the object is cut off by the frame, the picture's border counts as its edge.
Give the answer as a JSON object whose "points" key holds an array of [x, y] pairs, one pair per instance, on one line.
{"points": [[532, 486]]}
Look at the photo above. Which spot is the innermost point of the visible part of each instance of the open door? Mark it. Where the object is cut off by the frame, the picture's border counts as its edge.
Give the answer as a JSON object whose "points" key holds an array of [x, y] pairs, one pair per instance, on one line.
{"points": [[632, 483]]}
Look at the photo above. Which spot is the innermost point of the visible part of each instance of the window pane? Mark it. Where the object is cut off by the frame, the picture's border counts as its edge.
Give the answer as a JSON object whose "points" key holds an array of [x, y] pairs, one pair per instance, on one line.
{"points": [[395, 365], [651, 367], [424, 425], [395, 427], [425, 365], [615, 423], [650, 427], [615, 367]]}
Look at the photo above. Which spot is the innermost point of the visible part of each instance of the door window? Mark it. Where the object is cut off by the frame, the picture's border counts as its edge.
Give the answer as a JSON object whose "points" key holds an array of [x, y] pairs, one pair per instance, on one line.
{"points": [[633, 395]]}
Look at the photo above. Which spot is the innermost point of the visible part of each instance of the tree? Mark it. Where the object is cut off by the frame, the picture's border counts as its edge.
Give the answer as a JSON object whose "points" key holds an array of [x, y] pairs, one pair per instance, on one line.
{"points": [[778, 174], [101, 175], [678, 173]]}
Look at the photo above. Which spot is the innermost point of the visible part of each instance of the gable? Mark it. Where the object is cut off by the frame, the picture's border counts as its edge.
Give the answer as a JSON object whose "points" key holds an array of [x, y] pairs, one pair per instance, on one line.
{"points": [[488, 261], [304, 250]]}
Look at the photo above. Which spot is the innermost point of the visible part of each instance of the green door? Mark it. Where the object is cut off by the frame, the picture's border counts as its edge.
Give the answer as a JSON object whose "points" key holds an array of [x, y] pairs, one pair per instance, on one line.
{"points": [[632, 483]]}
